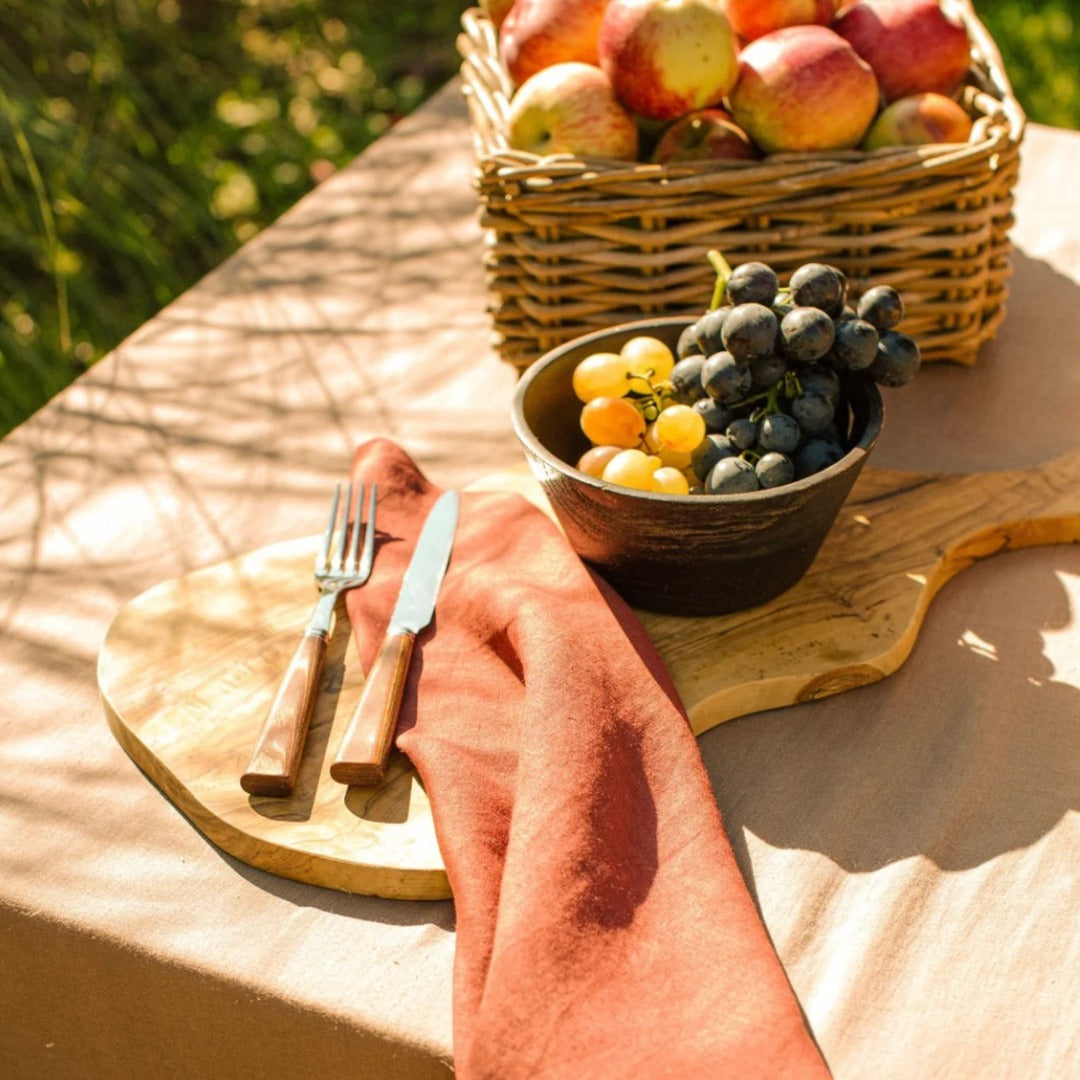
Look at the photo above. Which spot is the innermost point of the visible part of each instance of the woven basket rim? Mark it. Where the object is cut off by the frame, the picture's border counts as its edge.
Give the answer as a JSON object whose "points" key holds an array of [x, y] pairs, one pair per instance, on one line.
{"points": [[1000, 124]]}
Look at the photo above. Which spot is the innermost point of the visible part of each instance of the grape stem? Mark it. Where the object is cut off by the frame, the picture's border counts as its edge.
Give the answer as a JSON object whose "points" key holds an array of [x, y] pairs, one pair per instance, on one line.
{"points": [[789, 386], [723, 274]]}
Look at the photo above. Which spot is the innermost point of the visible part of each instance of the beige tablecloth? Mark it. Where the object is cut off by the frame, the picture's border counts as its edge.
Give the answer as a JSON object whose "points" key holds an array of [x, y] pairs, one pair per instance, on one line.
{"points": [[912, 845]]}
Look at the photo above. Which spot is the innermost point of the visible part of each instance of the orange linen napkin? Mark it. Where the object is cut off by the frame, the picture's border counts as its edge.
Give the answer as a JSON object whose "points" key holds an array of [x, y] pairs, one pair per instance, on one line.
{"points": [[603, 927]]}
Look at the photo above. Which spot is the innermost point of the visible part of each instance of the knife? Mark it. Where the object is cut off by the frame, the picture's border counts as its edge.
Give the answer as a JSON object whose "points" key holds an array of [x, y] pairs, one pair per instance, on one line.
{"points": [[365, 746]]}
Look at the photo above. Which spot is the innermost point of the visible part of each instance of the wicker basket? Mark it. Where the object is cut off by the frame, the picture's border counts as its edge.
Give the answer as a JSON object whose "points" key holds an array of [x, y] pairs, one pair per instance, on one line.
{"points": [[576, 245]]}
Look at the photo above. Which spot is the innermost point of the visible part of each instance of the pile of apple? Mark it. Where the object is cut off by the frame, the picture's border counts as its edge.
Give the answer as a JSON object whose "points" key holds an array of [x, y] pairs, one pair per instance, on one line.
{"points": [[677, 80]]}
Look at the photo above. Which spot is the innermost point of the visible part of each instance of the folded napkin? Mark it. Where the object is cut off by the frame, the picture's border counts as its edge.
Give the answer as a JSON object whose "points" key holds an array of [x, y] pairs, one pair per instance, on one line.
{"points": [[603, 927]]}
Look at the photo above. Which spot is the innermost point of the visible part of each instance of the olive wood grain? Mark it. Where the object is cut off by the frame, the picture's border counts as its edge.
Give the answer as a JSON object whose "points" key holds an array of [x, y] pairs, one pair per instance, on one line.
{"points": [[188, 668], [365, 747], [275, 761]]}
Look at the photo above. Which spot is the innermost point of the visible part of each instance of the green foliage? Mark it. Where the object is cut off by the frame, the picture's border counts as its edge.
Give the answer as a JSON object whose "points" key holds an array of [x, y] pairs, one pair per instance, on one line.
{"points": [[141, 141], [1039, 41]]}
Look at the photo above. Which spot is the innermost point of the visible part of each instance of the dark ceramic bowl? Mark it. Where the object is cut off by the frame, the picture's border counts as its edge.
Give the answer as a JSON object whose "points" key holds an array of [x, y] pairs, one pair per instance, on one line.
{"points": [[681, 554]]}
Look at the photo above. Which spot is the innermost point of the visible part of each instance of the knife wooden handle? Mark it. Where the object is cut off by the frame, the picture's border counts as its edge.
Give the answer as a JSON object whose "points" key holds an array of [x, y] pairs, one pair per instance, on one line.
{"points": [[365, 747], [275, 761]]}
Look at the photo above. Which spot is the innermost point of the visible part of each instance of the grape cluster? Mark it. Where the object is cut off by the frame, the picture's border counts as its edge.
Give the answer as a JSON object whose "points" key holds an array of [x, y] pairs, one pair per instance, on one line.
{"points": [[751, 398]]}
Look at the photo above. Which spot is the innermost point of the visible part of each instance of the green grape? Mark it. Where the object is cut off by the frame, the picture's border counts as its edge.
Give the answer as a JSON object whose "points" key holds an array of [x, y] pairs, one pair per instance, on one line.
{"points": [[596, 458], [611, 421], [600, 375], [670, 481], [680, 428], [632, 469], [648, 357]]}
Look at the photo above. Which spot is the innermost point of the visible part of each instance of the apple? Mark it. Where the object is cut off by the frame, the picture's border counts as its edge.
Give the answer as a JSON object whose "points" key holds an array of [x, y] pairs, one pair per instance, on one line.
{"points": [[803, 88], [751, 19], [914, 46], [917, 120], [571, 108], [538, 33], [496, 10], [666, 58], [704, 135]]}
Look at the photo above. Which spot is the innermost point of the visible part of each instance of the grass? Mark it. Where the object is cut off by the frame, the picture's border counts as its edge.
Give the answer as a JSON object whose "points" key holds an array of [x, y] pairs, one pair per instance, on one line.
{"points": [[141, 141]]}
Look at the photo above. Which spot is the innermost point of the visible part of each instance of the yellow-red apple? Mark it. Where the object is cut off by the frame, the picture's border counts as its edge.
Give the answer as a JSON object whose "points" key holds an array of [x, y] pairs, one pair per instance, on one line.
{"points": [[803, 88], [752, 18], [496, 10], [538, 33], [570, 108], [917, 120], [704, 135], [914, 46], [667, 57]]}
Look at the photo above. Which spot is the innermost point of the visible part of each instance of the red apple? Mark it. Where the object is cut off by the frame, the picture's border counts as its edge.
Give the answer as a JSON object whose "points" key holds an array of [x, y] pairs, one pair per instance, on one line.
{"points": [[538, 33], [496, 10], [667, 57], [570, 108], [914, 46], [917, 120], [753, 18], [803, 88], [704, 135]]}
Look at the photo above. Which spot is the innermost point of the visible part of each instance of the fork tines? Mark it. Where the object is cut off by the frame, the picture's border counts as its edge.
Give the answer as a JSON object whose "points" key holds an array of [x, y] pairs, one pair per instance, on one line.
{"points": [[354, 563]]}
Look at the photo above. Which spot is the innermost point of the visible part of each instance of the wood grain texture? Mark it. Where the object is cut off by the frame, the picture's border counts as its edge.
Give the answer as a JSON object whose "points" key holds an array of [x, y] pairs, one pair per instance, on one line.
{"points": [[364, 750], [275, 761], [189, 668]]}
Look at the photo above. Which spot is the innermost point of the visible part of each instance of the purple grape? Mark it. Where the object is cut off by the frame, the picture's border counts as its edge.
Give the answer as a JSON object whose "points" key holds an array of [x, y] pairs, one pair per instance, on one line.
{"points": [[716, 416], [767, 371], [774, 470], [688, 343], [813, 412], [779, 432], [881, 306], [743, 432], [897, 361], [709, 330], [818, 379], [856, 344], [816, 455], [806, 334], [753, 282], [730, 476], [724, 378], [711, 449], [819, 286], [686, 379], [750, 331]]}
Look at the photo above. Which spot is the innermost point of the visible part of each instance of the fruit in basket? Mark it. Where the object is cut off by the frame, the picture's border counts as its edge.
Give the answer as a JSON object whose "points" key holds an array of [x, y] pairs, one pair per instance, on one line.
{"points": [[536, 34], [754, 18], [917, 120], [666, 58], [704, 135], [913, 46], [803, 88], [764, 409], [496, 10], [571, 108]]}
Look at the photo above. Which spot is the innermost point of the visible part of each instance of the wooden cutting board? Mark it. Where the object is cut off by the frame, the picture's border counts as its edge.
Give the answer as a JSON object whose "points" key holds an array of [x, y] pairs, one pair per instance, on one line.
{"points": [[189, 668]]}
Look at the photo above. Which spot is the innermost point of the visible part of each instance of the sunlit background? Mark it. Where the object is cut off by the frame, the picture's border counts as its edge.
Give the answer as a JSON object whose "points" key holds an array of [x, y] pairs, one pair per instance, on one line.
{"points": [[141, 141]]}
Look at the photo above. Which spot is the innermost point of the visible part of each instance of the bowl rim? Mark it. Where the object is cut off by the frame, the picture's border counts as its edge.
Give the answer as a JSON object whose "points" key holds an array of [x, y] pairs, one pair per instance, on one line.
{"points": [[532, 444]]}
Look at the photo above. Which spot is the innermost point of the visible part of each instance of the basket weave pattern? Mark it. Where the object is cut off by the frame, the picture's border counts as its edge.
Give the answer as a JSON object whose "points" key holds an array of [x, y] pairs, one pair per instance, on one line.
{"points": [[576, 245]]}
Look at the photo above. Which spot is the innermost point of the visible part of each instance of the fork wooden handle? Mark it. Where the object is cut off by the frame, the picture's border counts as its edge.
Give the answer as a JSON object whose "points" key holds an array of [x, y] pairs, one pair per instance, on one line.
{"points": [[275, 761], [365, 747]]}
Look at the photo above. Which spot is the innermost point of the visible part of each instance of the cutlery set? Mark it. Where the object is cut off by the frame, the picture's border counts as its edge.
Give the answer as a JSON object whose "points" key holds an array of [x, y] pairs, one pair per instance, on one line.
{"points": [[340, 565]]}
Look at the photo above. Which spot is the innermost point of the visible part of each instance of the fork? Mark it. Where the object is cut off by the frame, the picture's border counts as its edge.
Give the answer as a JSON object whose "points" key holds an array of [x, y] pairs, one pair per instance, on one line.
{"points": [[275, 761]]}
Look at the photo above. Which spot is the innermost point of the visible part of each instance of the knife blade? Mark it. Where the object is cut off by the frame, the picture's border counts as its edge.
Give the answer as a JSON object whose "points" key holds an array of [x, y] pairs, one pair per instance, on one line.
{"points": [[365, 747]]}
